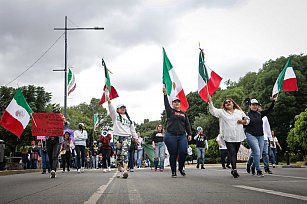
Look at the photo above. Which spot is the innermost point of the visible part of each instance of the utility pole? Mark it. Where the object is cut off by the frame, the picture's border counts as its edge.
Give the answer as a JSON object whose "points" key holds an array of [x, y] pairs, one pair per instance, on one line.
{"points": [[65, 68]]}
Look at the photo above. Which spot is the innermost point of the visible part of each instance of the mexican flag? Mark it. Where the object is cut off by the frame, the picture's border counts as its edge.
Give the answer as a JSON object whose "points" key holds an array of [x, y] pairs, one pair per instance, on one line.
{"points": [[96, 120], [71, 83], [208, 80], [286, 80], [108, 89], [172, 84], [17, 115]]}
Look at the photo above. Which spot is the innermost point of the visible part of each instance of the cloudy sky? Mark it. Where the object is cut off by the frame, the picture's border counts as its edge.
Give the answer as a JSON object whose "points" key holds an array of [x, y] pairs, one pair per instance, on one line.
{"points": [[238, 36]]}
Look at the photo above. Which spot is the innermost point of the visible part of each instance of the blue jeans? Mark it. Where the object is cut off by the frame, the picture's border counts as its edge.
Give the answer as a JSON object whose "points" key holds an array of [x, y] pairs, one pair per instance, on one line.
{"points": [[159, 154], [256, 144], [95, 161], [273, 155], [176, 145], [45, 161], [265, 155], [139, 157], [200, 151]]}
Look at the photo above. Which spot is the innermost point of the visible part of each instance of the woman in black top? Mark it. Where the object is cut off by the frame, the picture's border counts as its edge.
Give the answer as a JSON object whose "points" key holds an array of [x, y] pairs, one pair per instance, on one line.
{"points": [[254, 132], [177, 129], [159, 147]]}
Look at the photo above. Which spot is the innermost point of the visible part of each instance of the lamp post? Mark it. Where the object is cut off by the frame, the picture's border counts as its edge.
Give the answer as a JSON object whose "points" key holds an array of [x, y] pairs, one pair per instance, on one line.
{"points": [[65, 68]]}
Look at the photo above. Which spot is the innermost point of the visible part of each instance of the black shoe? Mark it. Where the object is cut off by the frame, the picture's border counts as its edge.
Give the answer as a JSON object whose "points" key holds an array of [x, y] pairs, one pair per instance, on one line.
{"points": [[268, 171], [197, 166], [228, 166], [223, 167], [174, 175], [182, 172], [253, 170], [235, 174], [248, 168], [260, 174], [202, 167], [44, 172]]}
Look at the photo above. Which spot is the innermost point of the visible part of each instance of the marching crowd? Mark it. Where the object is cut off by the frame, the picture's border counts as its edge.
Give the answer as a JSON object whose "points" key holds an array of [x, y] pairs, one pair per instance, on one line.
{"points": [[126, 150]]}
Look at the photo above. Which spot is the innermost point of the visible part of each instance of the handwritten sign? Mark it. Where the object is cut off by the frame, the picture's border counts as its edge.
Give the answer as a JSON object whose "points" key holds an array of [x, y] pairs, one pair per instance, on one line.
{"points": [[48, 124]]}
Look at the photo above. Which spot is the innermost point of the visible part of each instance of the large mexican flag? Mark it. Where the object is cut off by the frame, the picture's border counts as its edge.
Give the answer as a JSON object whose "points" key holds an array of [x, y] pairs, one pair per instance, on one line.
{"points": [[286, 80], [17, 115], [208, 80], [172, 84]]}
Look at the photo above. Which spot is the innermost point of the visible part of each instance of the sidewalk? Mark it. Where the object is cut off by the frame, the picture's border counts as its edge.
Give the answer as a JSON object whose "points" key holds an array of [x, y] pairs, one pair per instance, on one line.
{"points": [[12, 172]]}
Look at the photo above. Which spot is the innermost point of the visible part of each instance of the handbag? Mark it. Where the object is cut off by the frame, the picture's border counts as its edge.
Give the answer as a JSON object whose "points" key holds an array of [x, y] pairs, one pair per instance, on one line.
{"points": [[63, 152]]}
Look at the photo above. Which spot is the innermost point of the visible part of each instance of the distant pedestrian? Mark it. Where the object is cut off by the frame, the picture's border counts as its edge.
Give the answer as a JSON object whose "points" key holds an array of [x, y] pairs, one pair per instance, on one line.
{"points": [[223, 152], [95, 155], [80, 136], [131, 154], [106, 150], [231, 119], [177, 129], [159, 147], [66, 147], [139, 150], [273, 149], [201, 144], [34, 154], [44, 156], [123, 131]]}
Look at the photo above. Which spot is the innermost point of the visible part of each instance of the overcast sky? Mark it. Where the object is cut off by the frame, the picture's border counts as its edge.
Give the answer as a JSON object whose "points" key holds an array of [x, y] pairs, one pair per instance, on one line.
{"points": [[238, 36]]}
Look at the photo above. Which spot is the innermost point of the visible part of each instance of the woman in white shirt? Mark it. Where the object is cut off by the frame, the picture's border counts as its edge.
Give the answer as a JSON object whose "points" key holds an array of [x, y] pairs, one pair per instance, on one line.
{"points": [[80, 137], [231, 119]]}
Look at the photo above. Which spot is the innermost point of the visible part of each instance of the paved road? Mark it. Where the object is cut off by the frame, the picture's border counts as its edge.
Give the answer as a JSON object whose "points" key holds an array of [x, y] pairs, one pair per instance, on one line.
{"points": [[212, 185]]}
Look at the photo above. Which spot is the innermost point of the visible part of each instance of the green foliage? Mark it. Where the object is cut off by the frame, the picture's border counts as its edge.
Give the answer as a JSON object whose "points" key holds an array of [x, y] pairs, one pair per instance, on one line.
{"points": [[297, 137], [213, 152], [146, 129]]}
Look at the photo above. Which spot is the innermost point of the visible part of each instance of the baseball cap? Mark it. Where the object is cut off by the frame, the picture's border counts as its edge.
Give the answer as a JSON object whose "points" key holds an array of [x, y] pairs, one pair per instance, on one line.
{"points": [[120, 105], [176, 99], [199, 128], [254, 101]]}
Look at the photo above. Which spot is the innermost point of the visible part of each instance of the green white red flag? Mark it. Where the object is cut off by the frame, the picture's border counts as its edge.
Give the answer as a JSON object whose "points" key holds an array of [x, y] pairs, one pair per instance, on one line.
{"points": [[286, 80], [208, 80], [17, 115], [108, 90], [172, 84], [96, 120], [71, 82]]}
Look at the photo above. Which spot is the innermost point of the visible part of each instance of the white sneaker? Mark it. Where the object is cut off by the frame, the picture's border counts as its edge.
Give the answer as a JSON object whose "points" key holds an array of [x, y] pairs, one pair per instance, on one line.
{"points": [[82, 169], [52, 174], [104, 171], [109, 169], [79, 171]]}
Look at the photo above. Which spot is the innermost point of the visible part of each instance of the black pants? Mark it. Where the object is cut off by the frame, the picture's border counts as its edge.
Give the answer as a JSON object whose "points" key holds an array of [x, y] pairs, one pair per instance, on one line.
{"points": [[233, 148], [53, 150], [80, 149], [224, 154], [106, 154], [66, 160]]}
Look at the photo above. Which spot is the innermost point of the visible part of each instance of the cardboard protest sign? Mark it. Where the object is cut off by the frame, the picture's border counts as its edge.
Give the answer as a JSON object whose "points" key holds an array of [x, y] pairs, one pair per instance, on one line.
{"points": [[48, 124]]}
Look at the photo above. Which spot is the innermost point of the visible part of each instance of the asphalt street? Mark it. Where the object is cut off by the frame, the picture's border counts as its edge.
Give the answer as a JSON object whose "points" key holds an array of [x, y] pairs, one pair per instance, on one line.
{"points": [[211, 185]]}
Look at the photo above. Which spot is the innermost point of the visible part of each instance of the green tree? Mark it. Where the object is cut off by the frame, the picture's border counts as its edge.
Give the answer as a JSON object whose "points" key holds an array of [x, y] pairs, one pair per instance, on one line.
{"points": [[297, 137]]}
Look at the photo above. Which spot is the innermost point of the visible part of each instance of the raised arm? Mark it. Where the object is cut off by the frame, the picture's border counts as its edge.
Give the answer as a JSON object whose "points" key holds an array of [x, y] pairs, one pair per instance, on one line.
{"points": [[266, 112]]}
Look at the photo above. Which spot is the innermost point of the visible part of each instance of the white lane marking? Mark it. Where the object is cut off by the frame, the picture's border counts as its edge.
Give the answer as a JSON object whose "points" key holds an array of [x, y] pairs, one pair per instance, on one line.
{"points": [[96, 195], [289, 195]]}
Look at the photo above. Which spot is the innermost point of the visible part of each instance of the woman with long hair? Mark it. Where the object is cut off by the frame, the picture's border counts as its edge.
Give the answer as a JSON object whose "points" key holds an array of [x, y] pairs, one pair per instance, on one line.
{"points": [[231, 119], [80, 144], [66, 151], [159, 147], [123, 131]]}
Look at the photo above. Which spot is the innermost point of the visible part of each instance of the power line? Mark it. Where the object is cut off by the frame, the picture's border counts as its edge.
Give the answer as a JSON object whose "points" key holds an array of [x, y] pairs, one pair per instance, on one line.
{"points": [[36, 60]]}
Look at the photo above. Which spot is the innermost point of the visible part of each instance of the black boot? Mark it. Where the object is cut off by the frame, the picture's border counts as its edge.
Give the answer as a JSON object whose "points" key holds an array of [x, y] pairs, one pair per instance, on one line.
{"points": [[197, 166], [202, 166]]}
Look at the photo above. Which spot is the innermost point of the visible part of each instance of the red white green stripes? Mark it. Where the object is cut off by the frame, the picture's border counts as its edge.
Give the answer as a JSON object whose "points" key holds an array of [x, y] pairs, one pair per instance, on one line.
{"points": [[172, 84], [286, 80], [71, 83], [17, 115], [208, 80]]}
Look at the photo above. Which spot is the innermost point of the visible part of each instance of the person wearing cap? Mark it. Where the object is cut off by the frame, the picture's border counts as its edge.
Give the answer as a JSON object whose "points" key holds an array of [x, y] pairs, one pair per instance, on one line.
{"points": [[80, 144], [66, 147], [123, 131], [177, 129], [231, 121], [159, 147], [201, 142], [254, 132]]}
